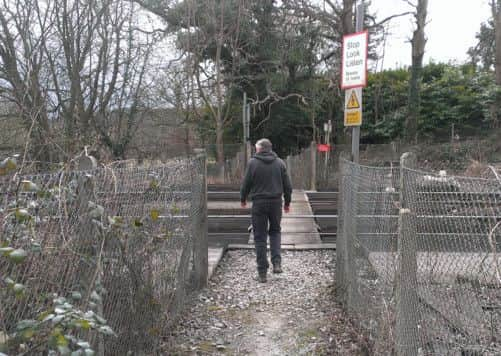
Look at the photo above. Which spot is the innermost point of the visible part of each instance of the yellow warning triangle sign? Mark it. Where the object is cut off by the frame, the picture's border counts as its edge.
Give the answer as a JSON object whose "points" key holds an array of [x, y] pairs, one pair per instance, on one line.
{"points": [[353, 101]]}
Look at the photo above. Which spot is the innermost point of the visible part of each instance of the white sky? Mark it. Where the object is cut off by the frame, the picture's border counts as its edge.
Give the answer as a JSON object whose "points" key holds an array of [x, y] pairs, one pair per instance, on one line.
{"points": [[451, 29]]}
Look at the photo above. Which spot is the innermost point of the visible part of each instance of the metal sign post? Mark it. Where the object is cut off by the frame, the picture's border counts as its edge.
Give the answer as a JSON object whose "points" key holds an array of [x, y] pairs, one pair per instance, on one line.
{"points": [[247, 133], [244, 123], [354, 77]]}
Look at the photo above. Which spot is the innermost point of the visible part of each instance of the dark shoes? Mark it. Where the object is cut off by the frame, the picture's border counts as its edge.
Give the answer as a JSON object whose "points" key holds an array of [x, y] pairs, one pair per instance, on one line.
{"points": [[261, 277], [277, 268]]}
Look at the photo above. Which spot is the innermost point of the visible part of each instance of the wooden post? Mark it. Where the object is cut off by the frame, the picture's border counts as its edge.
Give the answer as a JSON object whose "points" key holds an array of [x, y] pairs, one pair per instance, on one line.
{"points": [[313, 160], [249, 151], [327, 131], [289, 165], [407, 314], [407, 160], [199, 222]]}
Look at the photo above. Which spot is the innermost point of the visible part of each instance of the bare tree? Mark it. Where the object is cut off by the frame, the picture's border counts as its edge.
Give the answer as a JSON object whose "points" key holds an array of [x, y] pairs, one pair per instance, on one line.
{"points": [[80, 65], [21, 71], [208, 37], [174, 89], [214, 86], [97, 64]]}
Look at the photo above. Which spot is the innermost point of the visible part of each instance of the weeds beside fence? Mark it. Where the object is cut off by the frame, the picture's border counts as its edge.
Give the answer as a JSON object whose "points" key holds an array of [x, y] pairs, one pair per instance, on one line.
{"points": [[106, 257], [418, 264]]}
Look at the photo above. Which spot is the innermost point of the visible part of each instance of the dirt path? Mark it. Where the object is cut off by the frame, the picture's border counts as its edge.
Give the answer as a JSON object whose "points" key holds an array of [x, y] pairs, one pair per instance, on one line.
{"points": [[293, 314]]}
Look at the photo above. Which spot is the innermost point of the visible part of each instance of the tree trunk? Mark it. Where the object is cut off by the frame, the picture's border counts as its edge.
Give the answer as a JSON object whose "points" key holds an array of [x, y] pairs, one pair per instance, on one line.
{"points": [[496, 14], [347, 20], [39, 149], [418, 44], [31, 104], [220, 151], [219, 143], [348, 26], [219, 93]]}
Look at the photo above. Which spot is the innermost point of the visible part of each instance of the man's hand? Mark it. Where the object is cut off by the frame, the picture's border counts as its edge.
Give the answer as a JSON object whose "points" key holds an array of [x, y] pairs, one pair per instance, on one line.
{"points": [[287, 208], [243, 204]]}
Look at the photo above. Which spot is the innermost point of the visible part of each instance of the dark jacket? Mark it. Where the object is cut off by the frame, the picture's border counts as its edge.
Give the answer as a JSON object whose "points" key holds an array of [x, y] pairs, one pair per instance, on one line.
{"points": [[266, 178]]}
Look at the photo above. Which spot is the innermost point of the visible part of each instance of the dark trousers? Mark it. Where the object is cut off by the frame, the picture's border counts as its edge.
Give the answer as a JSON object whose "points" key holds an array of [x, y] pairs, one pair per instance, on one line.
{"points": [[264, 212]]}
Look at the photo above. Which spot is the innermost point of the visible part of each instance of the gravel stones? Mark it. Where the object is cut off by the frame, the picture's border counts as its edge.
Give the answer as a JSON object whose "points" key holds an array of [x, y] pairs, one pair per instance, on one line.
{"points": [[294, 313]]}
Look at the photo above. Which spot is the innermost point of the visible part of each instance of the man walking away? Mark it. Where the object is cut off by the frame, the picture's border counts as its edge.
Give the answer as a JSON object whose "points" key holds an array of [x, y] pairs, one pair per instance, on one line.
{"points": [[266, 180]]}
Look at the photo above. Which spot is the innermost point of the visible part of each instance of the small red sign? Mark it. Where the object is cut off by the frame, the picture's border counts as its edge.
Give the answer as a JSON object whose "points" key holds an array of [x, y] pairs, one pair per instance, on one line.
{"points": [[323, 147]]}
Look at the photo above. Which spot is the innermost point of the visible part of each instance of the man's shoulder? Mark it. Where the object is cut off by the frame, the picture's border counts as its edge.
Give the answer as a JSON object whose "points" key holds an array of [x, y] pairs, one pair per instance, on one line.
{"points": [[253, 163], [280, 161]]}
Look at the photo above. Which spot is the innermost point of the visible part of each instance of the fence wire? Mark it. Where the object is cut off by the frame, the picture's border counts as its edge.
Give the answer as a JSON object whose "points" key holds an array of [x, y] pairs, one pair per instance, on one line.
{"points": [[319, 170], [116, 244], [308, 169], [418, 260]]}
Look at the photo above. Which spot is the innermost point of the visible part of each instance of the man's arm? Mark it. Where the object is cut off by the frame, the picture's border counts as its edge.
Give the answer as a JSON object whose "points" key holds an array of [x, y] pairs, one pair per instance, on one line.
{"points": [[246, 184], [286, 182]]}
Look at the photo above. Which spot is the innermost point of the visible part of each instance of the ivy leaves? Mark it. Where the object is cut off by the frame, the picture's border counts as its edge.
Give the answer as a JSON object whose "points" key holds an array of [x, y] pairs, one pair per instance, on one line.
{"points": [[60, 326]]}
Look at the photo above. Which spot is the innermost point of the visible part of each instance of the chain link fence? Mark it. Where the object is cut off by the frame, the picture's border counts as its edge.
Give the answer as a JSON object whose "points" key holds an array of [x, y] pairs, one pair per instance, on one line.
{"points": [[100, 260], [418, 263], [301, 168], [311, 169], [231, 171]]}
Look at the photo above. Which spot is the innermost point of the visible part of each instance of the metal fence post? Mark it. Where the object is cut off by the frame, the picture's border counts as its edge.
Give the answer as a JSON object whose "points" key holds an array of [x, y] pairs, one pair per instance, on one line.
{"points": [[407, 338], [351, 237], [346, 236], [199, 208], [90, 273], [341, 235]]}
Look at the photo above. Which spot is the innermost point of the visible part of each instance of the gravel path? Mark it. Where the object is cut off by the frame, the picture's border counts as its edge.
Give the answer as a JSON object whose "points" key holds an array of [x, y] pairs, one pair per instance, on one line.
{"points": [[294, 313]]}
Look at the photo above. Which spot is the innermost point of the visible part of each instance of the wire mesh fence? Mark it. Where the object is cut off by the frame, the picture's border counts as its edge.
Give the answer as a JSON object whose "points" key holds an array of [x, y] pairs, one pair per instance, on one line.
{"points": [[301, 169], [231, 170], [100, 259], [308, 169], [418, 262], [311, 169]]}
